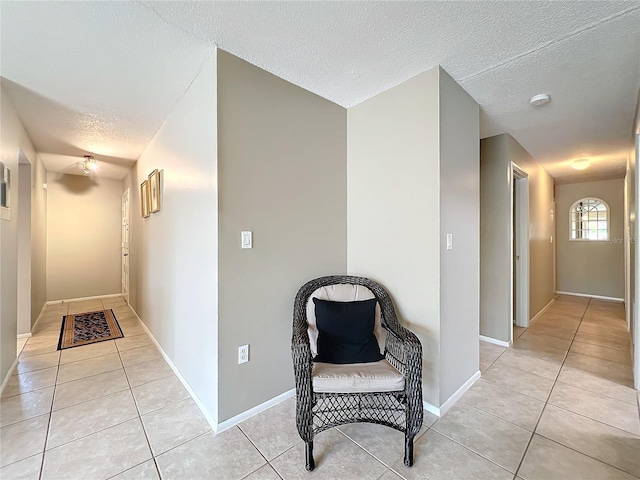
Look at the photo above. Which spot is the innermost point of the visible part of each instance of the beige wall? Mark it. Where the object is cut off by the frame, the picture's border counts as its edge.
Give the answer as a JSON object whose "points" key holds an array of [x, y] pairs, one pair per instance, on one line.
{"points": [[459, 216], [12, 137], [591, 268], [413, 178], [282, 174], [496, 155], [173, 255], [541, 227], [633, 174], [630, 255], [38, 239], [495, 239], [24, 248], [83, 236]]}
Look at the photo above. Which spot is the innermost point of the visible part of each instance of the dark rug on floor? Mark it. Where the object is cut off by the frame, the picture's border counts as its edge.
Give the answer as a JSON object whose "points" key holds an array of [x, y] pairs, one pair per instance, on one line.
{"points": [[90, 327]]}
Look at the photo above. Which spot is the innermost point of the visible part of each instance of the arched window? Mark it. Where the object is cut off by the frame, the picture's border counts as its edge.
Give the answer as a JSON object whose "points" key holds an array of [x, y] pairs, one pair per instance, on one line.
{"points": [[589, 220]]}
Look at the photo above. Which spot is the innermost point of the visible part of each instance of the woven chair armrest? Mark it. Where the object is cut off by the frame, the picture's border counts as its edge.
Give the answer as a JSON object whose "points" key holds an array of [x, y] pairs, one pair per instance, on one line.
{"points": [[302, 360], [404, 352]]}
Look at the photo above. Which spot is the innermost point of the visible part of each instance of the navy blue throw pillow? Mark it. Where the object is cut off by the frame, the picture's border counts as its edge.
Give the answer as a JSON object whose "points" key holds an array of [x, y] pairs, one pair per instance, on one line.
{"points": [[345, 332]]}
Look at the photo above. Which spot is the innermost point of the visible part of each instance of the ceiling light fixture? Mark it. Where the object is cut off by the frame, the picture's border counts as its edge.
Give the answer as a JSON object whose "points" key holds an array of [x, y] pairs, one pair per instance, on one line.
{"points": [[541, 99], [581, 164], [89, 164]]}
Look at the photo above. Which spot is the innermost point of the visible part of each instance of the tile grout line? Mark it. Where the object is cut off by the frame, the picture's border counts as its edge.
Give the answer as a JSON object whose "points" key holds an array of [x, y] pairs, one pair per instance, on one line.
{"points": [[128, 469], [589, 456], [466, 448], [496, 416], [362, 447], [594, 419], [526, 450], [593, 393], [600, 358], [92, 433], [261, 454], [53, 399], [146, 436]]}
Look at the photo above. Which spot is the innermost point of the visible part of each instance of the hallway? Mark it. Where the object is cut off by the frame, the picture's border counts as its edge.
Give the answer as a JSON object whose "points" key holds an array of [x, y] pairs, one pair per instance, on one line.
{"points": [[568, 378], [558, 404]]}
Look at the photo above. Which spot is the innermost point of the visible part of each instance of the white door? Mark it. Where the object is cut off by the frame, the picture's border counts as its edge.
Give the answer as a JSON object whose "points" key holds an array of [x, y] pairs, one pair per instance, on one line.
{"points": [[125, 245]]}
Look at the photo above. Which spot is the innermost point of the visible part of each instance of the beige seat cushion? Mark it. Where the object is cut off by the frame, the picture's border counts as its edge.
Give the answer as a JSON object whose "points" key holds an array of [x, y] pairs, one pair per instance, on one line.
{"points": [[342, 292], [356, 378]]}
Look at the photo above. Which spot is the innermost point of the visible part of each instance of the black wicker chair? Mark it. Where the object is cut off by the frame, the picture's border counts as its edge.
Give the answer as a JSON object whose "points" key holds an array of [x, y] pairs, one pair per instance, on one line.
{"points": [[318, 411]]}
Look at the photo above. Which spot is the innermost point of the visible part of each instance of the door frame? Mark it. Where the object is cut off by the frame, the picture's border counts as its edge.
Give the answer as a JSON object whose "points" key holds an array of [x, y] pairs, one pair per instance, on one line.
{"points": [[125, 294], [519, 205]]}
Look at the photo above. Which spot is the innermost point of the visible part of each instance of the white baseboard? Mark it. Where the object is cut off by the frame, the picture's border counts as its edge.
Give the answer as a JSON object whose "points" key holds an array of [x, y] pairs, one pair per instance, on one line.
{"points": [[24, 335], [222, 426], [495, 341], [205, 412], [451, 401], [587, 295], [431, 408], [541, 312], [33, 327], [9, 373], [83, 299], [446, 406], [215, 426]]}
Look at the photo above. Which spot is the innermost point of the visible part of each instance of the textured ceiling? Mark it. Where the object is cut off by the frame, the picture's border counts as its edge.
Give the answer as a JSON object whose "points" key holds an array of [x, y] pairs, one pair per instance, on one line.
{"points": [[101, 77]]}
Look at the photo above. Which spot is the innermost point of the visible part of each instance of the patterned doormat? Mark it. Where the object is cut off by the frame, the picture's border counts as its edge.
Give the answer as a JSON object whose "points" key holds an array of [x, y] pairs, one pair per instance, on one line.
{"points": [[90, 327]]}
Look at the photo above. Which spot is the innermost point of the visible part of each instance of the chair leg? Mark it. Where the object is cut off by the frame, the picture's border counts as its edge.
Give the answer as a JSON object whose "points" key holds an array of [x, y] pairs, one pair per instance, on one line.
{"points": [[408, 451], [310, 462]]}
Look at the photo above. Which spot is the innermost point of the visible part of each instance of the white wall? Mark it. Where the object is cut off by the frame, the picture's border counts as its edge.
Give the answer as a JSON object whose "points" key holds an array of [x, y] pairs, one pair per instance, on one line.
{"points": [[496, 155], [83, 236], [12, 137], [591, 268], [174, 252], [412, 178], [24, 249], [393, 207]]}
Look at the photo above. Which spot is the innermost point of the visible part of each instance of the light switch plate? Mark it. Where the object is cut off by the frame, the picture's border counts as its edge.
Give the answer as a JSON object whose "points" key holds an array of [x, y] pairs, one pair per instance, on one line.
{"points": [[449, 241], [246, 239]]}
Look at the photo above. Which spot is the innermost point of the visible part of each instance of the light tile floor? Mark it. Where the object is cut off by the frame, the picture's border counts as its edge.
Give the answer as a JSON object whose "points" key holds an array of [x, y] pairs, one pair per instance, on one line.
{"points": [[557, 405]]}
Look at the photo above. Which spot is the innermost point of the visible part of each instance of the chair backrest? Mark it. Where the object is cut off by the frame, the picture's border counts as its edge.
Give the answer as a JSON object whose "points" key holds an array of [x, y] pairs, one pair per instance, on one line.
{"points": [[341, 292]]}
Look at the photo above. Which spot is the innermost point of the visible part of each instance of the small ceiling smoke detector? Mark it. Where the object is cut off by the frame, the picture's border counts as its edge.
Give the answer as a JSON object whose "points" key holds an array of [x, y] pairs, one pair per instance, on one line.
{"points": [[581, 164], [541, 99]]}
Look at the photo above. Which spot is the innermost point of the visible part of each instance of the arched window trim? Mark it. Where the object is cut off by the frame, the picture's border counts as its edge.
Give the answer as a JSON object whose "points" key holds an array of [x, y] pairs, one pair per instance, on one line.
{"points": [[571, 211]]}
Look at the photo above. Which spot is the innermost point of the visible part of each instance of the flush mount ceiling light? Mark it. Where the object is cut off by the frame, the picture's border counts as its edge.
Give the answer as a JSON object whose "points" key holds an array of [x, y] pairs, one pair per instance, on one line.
{"points": [[581, 164], [541, 99], [89, 164]]}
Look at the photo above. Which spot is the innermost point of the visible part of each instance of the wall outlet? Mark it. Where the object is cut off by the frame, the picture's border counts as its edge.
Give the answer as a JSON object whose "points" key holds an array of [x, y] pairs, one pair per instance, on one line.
{"points": [[243, 354]]}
